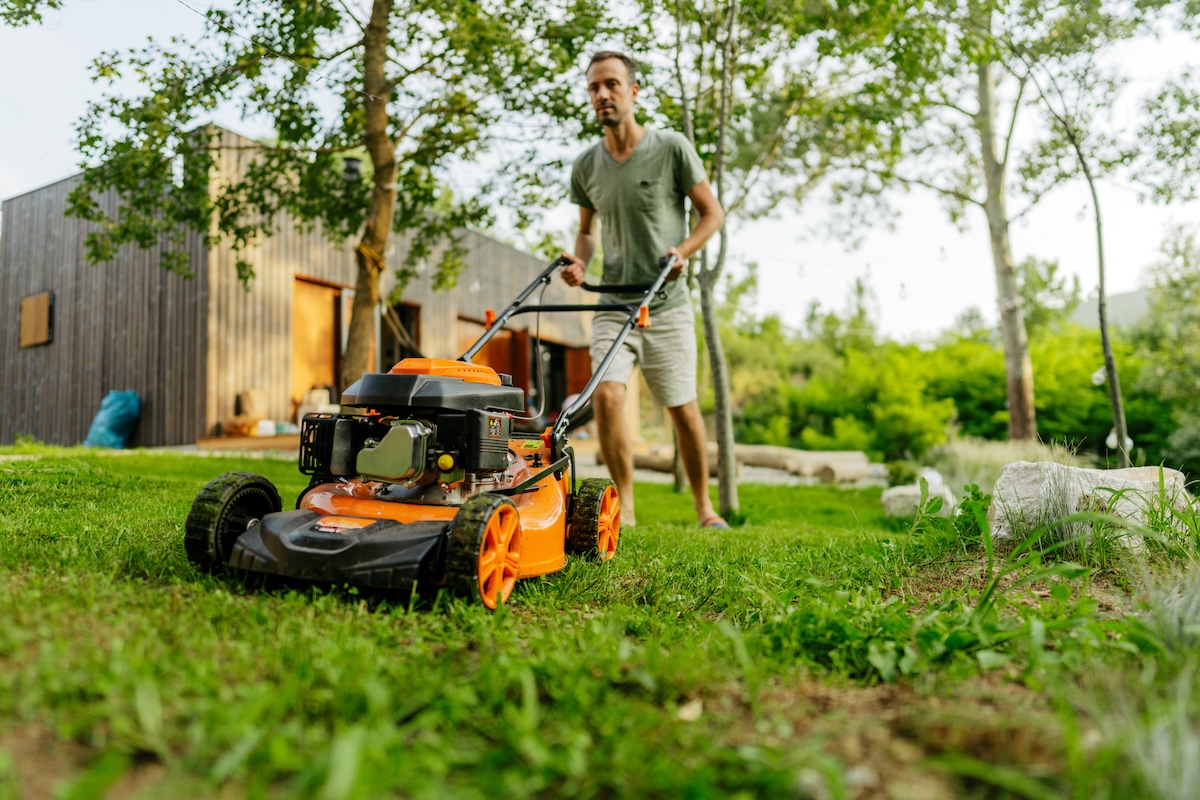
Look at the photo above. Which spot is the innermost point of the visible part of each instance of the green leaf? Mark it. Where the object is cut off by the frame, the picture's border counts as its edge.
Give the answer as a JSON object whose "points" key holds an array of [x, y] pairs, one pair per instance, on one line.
{"points": [[990, 659], [882, 656]]}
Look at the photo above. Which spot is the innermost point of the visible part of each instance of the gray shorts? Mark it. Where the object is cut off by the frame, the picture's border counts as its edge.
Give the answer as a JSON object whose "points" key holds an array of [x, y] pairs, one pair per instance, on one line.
{"points": [[666, 352]]}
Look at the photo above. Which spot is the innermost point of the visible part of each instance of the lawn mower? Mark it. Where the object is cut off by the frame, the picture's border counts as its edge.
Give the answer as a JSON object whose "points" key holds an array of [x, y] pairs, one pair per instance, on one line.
{"points": [[421, 481]]}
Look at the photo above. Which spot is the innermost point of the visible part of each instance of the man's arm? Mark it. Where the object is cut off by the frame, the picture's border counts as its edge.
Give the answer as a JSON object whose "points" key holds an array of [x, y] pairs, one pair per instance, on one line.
{"points": [[585, 247], [711, 218]]}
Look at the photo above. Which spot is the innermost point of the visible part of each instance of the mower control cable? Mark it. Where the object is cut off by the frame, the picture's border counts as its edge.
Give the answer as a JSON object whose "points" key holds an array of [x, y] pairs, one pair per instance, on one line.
{"points": [[530, 483]]}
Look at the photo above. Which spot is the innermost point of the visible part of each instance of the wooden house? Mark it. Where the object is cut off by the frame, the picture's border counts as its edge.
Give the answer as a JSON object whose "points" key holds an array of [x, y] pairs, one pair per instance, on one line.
{"points": [[73, 331]]}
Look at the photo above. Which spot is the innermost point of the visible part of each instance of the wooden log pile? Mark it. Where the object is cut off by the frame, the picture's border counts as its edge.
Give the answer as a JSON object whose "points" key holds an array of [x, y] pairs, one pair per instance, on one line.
{"points": [[830, 466]]}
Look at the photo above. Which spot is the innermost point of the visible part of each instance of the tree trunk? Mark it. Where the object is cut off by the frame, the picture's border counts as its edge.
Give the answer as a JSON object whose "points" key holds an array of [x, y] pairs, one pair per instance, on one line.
{"points": [[727, 489], [1018, 369], [1110, 363], [357, 356]]}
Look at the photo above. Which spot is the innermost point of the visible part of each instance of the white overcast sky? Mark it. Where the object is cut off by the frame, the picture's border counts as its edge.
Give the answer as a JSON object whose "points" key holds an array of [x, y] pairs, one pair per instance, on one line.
{"points": [[923, 271]]}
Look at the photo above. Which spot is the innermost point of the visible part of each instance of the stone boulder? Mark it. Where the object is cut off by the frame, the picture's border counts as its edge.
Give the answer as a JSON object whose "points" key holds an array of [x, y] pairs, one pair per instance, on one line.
{"points": [[902, 501], [1029, 495]]}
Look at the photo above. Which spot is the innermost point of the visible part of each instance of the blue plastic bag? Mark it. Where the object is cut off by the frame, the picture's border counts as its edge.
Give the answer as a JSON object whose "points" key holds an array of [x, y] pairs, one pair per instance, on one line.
{"points": [[114, 424]]}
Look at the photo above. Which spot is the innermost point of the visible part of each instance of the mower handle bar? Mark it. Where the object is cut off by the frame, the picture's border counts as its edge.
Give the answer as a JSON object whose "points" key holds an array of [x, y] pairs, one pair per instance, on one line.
{"points": [[648, 291]]}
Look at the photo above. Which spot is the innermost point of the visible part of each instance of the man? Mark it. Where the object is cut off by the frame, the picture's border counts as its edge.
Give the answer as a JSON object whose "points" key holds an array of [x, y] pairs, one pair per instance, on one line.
{"points": [[630, 189]]}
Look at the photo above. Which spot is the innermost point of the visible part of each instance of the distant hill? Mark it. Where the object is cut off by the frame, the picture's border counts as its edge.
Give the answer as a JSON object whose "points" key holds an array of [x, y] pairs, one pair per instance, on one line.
{"points": [[1124, 310]]}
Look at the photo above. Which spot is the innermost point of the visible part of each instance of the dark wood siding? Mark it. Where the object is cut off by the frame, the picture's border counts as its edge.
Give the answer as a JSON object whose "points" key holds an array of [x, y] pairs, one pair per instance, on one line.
{"points": [[125, 324], [189, 347]]}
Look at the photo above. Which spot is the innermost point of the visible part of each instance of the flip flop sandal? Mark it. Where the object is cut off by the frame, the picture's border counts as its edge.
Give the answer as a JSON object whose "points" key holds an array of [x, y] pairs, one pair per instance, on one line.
{"points": [[715, 523]]}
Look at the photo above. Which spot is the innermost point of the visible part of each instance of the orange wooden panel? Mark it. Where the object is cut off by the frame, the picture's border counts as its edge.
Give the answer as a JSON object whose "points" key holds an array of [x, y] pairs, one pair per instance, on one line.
{"points": [[579, 369], [35, 319], [315, 340]]}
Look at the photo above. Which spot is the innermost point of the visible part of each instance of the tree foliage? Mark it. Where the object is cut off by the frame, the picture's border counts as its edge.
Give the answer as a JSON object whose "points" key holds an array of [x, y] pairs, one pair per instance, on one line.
{"points": [[25, 12], [414, 87]]}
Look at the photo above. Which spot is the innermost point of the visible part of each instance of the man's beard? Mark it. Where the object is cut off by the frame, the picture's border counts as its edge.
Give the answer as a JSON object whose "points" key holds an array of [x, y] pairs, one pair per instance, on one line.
{"points": [[609, 121]]}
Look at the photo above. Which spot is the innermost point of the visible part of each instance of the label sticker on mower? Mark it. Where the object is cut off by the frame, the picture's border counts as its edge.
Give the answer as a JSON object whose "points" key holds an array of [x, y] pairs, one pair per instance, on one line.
{"points": [[532, 444], [495, 430]]}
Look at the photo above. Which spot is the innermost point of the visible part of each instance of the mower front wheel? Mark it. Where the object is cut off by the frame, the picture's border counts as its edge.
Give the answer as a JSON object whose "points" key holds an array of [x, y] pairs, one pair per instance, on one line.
{"points": [[224, 509], [595, 520], [484, 550]]}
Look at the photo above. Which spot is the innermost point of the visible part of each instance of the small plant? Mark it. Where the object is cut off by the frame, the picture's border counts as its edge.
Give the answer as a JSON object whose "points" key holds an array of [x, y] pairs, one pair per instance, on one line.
{"points": [[970, 522]]}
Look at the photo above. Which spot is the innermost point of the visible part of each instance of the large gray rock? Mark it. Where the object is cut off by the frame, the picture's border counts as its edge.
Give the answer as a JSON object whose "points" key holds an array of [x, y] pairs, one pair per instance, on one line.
{"points": [[1028, 495], [902, 501]]}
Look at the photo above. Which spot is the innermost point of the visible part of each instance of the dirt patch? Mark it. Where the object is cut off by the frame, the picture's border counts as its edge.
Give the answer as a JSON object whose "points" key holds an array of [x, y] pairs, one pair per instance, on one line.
{"points": [[42, 765], [885, 735], [931, 581]]}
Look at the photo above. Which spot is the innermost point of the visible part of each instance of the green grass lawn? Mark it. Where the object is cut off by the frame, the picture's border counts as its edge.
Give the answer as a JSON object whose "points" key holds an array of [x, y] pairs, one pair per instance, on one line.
{"points": [[813, 652]]}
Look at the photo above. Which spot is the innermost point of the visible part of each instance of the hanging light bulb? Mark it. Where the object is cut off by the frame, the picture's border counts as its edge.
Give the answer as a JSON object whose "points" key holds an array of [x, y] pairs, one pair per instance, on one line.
{"points": [[1111, 441]]}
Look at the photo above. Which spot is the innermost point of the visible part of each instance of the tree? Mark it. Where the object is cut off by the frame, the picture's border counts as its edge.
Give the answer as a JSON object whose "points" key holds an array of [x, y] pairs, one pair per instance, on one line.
{"points": [[968, 145], [1088, 153], [413, 84], [770, 93]]}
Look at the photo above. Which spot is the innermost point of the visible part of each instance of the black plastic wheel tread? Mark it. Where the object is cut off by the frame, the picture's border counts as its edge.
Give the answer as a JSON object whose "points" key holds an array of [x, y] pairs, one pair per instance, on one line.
{"points": [[584, 536], [221, 512]]}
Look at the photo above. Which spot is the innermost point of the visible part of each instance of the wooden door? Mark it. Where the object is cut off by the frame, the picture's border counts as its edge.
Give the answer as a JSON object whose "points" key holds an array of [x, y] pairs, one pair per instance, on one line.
{"points": [[316, 323]]}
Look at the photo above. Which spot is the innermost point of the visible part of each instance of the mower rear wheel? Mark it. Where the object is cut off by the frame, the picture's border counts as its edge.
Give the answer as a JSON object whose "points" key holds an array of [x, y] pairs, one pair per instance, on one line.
{"points": [[484, 550], [224, 509], [595, 520]]}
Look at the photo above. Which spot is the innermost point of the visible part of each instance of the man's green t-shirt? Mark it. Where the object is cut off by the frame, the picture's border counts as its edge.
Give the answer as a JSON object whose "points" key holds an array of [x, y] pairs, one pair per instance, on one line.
{"points": [[640, 206]]}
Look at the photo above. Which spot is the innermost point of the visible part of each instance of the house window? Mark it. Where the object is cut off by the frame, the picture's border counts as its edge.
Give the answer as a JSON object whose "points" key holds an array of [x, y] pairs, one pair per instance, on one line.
{"points": [[37, 319]]}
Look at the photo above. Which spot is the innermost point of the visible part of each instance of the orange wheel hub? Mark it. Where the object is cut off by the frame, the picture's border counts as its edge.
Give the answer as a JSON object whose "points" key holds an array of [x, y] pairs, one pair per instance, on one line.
{"points": [[499, 556], [609, 524]]}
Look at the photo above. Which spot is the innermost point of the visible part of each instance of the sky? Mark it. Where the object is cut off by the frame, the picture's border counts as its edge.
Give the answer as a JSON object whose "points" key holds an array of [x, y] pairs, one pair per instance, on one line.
{"points": [[924, 272]]}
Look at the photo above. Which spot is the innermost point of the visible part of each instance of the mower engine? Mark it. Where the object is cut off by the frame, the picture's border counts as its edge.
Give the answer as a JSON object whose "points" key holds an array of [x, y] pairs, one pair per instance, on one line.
{"points": [[427, 422]]}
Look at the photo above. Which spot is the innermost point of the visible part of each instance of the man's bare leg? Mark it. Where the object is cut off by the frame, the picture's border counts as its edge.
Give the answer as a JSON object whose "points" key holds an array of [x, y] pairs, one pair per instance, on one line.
{"points": [[693, 449], [609, 404]]}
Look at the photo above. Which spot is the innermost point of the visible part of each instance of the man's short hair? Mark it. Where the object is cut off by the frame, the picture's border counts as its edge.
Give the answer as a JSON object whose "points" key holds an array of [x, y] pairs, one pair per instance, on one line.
{"points": [[630, 65]]}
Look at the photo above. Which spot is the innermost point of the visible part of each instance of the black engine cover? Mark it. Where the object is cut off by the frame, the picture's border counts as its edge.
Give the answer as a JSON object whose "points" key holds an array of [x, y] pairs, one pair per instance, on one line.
{"points": [[383, 390]]}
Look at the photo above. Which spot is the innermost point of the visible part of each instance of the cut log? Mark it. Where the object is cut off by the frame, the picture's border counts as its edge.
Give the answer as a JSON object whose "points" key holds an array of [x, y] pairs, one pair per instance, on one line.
{"points": [[664, 463], [805, 463], [843, 472]]}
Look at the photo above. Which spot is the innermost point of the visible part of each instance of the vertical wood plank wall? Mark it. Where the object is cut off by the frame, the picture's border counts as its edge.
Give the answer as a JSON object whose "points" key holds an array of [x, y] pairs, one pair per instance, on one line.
{"points": [[124, 324], [188, 347]]}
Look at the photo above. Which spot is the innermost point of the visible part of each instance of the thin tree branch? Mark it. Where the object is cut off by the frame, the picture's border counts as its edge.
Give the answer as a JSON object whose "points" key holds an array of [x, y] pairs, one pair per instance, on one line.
{"points": [[362, 26], [954, 107], [424, 66], [942, 190], [1012, 122]]}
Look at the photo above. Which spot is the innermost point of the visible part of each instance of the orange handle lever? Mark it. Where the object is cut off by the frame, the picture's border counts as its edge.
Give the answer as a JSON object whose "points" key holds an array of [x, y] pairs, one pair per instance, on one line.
{"points": [[643, 316], [489, 316]]}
